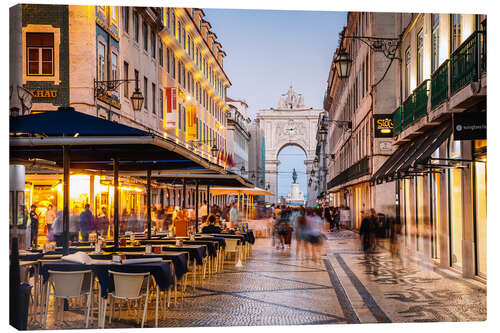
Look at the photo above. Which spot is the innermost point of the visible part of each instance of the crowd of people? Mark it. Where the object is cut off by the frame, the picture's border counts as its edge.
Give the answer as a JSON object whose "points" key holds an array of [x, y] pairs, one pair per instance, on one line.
{"points": [[308, 226]]}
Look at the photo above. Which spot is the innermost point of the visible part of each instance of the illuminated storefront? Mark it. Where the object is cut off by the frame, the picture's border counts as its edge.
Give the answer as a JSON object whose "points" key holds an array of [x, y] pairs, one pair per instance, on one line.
{"points": [[97, 191]]}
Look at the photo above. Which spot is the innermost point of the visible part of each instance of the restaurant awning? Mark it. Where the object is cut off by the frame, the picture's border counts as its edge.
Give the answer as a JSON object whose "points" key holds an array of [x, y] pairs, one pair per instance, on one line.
{"points": [[201, 177], [96, 142], [408, 156], [239, 190]]}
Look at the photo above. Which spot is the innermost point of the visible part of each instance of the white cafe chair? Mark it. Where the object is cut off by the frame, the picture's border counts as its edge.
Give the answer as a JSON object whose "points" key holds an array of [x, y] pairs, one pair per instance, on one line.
{"points": [[129, 286], [67, 285], [232, 247]]}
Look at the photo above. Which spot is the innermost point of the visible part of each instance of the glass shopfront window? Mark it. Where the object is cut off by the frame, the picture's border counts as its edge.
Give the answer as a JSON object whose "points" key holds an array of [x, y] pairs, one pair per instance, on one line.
{"points": [[419, 189], [480, 168], [456, 219], [436, 217], [408, 212]]}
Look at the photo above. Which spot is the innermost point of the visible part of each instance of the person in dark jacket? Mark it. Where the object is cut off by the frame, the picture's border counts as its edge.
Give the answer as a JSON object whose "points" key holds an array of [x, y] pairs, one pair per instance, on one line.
{"points": [[34, 226], [211, 228], [87, 223], [368, 230]]}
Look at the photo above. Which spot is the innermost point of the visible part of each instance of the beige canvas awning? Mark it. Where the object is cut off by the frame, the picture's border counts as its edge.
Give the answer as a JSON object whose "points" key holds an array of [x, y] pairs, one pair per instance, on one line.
{"points": [[239, 190]]}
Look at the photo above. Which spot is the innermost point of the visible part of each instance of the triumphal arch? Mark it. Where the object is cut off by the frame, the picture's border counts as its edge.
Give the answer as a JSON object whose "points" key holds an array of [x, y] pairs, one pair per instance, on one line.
{"points": [[291, 123]]}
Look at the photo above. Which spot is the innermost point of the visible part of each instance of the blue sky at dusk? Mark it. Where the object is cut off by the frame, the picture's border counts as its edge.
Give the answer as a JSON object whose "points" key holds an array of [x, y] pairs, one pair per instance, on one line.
{"points": [[269, 49]]}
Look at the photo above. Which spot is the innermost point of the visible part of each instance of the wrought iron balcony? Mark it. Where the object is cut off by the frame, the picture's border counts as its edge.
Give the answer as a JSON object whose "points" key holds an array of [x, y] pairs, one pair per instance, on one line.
{"points": [[439, 85], [397, 121], [421, 99], [465, 65], [468, 61], [408, 110], [359, 169]]}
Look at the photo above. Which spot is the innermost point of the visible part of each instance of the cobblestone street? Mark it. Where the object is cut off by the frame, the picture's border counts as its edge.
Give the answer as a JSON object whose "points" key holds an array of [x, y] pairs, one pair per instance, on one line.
{"points": [[273, 288]]}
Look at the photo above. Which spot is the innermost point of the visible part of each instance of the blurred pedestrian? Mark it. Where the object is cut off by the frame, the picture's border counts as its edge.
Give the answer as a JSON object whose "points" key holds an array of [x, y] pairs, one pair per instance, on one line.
{"points": [[234, 216], [302, 247], [336, 218], [74, 224], [368, 230], [50, 216], [87, 223], [102, 222], [57, 228]]}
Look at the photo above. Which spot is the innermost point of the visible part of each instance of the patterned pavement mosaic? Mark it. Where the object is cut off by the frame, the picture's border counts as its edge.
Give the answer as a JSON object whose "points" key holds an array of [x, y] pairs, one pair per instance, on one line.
{"points": [[345, 286]]}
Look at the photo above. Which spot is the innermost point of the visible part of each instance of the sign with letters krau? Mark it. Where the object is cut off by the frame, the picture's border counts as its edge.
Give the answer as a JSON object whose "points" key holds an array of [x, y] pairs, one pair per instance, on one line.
{"points": [[383, 125], [469, 126]]}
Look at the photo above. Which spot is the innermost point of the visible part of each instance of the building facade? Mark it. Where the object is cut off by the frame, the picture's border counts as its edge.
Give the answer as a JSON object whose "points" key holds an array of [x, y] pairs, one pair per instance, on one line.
{"points": [[439, 166], [93, 58], [356, 151], [257, 156], [238, 136]]}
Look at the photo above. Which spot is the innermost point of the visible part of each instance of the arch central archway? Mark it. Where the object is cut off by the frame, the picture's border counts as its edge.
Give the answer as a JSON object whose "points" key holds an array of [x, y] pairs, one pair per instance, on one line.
{"points": [[292, 123], [292, 157]]}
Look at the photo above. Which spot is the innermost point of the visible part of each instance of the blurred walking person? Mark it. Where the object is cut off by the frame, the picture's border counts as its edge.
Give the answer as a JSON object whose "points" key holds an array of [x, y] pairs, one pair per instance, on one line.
{"points": [[302, 247], [87, 223]]}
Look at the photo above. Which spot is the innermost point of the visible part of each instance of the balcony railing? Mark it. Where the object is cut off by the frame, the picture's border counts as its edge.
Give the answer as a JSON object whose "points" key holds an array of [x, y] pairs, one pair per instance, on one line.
{"points": [[397, 121], [466, 62], [465, 65], [359, 169], [421, 99], [439, 85], [408, 110]]}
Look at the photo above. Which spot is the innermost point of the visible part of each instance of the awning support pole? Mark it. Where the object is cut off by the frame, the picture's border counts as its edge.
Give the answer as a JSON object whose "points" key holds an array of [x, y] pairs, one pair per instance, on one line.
{"points": [[196, 204], [208, 199], [66, 167], [183, 193], [116, 217], [148, 201]]}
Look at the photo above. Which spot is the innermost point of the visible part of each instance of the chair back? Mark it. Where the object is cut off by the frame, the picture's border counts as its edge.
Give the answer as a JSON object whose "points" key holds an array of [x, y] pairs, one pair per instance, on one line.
{"points": [[70, 284], [231, 245], [130, 285]]}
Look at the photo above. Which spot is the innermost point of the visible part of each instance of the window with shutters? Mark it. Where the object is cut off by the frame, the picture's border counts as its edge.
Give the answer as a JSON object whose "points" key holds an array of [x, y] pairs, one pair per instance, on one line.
{"points": [[40, 53]]}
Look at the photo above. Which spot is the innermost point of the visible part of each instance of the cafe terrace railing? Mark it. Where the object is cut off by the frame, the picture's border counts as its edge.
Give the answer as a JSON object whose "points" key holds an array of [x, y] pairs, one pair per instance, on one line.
{"points": [[467, 61], [439, 85], [359, 169]]}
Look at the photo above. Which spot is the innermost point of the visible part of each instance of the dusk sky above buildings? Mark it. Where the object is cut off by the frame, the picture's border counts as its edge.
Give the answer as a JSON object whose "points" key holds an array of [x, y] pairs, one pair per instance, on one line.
{"points": [[267, 50]]}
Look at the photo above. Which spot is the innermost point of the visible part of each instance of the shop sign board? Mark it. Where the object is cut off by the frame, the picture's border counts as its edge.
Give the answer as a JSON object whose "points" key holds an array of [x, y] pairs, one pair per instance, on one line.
{"points": [[469, 126], [170, 118], [383, 125]]}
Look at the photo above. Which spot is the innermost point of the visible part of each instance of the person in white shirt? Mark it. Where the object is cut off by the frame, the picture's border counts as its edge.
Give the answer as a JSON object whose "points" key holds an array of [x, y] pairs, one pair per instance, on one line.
{"points": [[233, 216], [50, 216]]}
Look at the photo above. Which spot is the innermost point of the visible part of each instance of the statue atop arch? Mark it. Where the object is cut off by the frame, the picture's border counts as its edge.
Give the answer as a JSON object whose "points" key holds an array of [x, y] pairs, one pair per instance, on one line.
{"points": [[291, 100]]}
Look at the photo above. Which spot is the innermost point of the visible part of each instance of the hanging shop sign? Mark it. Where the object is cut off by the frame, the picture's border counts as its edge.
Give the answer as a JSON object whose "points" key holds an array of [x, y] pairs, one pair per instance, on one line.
{"points": [[191, 133], [170, 118], [383, 125], [469, 126]]}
